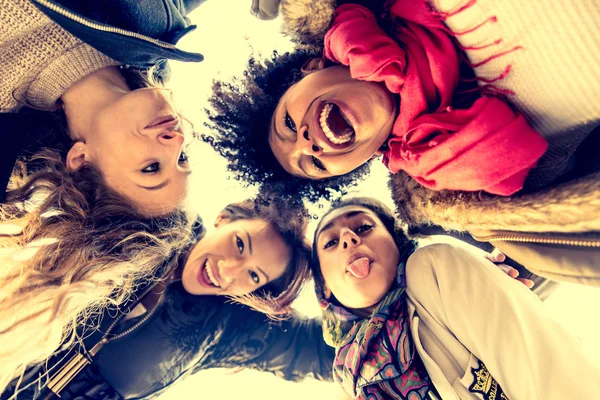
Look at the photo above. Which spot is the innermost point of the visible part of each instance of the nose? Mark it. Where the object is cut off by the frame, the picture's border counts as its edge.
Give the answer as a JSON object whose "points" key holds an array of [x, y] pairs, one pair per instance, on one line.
{"points": [[349, 239], [170, 138], [308, 145], [229, 269]]}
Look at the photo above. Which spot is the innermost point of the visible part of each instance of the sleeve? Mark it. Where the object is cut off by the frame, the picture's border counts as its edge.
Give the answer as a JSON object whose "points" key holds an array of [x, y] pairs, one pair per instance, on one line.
{"points": [[292, 349], [529, 353]]}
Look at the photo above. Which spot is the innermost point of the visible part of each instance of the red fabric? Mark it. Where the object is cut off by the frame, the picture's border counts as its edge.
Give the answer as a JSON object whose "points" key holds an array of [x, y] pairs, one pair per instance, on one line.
{"points": [[487, 147]]}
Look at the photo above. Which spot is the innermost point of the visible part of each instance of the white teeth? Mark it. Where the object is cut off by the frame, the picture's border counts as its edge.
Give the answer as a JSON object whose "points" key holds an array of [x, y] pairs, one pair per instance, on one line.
{"points": [[327, 131], [210, 274]]}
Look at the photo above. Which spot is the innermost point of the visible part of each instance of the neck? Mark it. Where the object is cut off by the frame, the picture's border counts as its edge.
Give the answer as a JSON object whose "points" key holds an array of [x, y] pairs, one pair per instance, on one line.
{"points": [[88, 96]]}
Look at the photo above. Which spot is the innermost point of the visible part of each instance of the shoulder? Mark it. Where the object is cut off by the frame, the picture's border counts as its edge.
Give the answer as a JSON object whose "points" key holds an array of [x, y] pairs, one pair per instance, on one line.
{"points": [[439, 264]]}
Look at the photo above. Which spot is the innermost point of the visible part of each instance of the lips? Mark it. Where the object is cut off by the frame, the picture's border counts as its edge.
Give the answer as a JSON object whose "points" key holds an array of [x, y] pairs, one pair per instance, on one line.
{"points": [[163, 122], [334, 124]]}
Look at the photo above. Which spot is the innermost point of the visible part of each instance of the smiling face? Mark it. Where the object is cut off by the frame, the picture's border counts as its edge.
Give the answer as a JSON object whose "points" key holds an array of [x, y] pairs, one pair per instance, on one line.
{"points": [[357, 255], [236, 258], [137, 144], [328, 123]]}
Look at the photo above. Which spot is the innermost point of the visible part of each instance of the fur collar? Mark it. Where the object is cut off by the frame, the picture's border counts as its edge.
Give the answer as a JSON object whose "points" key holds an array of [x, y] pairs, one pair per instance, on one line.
{"points": [[570, 207]]}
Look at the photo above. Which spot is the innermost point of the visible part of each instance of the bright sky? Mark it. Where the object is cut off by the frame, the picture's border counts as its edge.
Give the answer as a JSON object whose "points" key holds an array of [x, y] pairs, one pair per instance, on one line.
{"points": [[226, 35]]}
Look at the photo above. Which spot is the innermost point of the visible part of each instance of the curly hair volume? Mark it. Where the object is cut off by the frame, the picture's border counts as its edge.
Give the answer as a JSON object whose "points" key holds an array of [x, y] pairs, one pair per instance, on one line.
{"points": [[69, 247], [240, 119]]}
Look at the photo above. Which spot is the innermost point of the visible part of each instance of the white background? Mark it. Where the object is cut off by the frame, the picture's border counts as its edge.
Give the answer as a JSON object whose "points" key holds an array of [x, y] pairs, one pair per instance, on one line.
{"points": [[227, 34]]}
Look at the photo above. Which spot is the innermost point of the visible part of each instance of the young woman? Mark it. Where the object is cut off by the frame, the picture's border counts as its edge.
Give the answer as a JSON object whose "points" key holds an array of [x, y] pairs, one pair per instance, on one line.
{"points": [[436, 322], [186, 321], [61, 56], [557, 214], [104, 210]]}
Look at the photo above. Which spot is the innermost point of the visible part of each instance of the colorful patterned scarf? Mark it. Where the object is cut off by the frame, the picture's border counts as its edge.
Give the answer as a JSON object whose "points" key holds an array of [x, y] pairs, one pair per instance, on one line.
{"points": [[376, 357], [487, 146]]}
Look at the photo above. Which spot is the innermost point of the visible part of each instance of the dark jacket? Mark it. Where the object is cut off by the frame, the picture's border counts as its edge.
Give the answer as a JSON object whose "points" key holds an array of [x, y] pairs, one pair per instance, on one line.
{"points": [[180, 336], [135, 33], [186, 334], [138, 34]]}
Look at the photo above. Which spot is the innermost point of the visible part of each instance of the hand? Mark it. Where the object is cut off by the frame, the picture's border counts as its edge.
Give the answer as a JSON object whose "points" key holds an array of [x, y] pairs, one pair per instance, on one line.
{"points": [[497, 257], [265, 9]]}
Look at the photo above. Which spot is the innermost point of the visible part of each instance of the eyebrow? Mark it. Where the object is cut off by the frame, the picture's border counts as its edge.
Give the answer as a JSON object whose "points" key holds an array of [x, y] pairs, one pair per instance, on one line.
{"points": [[302, 167], [274, 129], [249, 241], [159, 186], [348, 215], [264, 273]]}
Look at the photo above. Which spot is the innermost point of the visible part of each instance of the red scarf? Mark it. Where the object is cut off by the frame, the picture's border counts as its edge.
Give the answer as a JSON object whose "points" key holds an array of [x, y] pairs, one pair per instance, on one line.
{"points": [[488, 146]]}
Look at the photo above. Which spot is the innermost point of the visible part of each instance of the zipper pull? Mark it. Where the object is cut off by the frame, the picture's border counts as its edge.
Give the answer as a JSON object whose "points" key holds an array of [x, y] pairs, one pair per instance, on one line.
{"points": [[66, 374], [72, 368]]}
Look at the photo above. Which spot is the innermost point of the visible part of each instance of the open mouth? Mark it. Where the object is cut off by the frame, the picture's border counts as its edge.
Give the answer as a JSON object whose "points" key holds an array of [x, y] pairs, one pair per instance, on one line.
{"points": [[208, 276], [359, 266], [335, 124]]}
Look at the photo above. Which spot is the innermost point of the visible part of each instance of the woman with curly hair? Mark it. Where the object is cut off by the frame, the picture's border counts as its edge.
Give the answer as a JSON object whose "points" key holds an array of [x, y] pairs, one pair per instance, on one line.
{"points": [[550, 227], [185, 321]]}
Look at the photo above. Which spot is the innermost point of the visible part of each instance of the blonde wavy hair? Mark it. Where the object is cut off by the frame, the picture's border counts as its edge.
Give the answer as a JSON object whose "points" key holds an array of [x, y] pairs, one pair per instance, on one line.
{"points": [[71, 247]]}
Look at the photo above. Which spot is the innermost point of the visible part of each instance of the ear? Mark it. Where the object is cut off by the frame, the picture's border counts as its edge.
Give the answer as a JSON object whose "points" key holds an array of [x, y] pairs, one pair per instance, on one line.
{"points": [[377, 154], [326, 291], [224, 217], [77, 156], [312, 65]]}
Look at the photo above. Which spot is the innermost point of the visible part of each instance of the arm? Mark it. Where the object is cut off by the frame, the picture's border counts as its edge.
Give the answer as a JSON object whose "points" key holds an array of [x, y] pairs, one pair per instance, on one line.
{"points": [[501, 322], [295, 349], [290, 349]]}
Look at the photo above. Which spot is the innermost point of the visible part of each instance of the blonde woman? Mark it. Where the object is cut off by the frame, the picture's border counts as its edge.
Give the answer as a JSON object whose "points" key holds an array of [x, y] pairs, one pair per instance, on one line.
{"points": [[100, 214], [185, 322]]}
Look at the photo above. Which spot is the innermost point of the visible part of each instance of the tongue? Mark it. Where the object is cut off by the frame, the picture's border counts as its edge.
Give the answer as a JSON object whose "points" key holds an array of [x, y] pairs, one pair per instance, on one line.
{"points": [[337, 123], [360, 268]]}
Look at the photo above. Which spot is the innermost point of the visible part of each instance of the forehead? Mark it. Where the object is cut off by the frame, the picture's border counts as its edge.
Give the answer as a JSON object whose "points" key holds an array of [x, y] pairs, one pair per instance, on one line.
{"points": [[338, 215]]}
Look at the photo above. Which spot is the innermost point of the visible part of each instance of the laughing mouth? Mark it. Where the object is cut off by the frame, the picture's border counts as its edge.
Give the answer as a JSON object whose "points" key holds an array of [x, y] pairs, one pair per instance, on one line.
{"points": [[335, 124], [210, 274]]}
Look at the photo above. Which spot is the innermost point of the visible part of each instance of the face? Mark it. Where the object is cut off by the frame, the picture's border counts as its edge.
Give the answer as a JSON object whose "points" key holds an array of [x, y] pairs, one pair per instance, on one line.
{"points": [[137, 144], [328, 124], [358, 256], [236, 258]]}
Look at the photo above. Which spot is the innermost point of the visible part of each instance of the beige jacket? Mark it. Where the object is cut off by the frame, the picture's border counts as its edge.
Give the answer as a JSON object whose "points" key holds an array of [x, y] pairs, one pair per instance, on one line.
{"points": [[483, 335]]}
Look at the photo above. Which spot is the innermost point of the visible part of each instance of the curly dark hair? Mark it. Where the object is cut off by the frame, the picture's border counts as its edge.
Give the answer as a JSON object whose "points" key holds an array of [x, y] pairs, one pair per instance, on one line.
{"points": [[240, 119]]}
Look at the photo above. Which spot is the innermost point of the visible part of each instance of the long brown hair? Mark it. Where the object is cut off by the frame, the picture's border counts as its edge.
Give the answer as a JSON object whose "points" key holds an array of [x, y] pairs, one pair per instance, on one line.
{"points": [[77, 247], [290, 221]]}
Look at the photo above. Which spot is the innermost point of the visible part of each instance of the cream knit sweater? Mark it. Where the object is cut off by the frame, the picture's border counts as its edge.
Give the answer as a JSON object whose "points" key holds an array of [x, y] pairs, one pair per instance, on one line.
{"points": [[552, 48], [39, 60]]}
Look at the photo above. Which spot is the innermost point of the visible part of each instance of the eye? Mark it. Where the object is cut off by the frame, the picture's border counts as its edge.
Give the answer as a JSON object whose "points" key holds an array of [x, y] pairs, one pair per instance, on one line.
{"points": [[317, 163], [289, 122], [364, 228], [182, 158], [240, 244], [152, 168], [332, 242], [254, 277]]}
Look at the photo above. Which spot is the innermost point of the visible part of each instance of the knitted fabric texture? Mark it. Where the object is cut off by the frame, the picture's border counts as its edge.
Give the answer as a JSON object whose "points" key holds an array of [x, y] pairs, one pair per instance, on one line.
{"points": [[39, 60]]}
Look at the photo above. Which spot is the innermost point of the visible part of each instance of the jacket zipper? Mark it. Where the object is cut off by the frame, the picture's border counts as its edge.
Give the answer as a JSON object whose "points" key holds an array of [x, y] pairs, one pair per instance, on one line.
{"points": [[79, 361], [103, 28], [534, 239]]}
